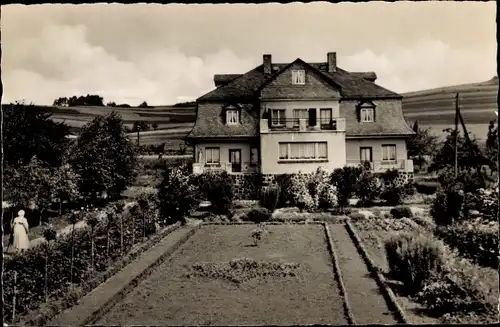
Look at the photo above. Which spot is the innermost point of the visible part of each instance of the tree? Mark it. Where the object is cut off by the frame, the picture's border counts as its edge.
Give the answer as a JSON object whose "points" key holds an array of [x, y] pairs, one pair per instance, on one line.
{"points": [[73, 101], [468, 155], [29, 131], [110, 104], [492, 145], [65, 182], [139, 126], [62, 101], [155, 126], [104, 157], [144, 104], [421, 144]]}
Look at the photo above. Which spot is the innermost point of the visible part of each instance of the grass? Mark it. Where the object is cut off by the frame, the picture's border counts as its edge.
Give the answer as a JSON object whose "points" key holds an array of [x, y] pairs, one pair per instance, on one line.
{"points": [[168, 297]]}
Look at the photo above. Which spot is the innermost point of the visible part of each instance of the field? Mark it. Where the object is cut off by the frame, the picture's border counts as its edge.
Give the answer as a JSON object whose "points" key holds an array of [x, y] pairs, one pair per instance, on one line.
{"points": [[436, 108], [175, 294]]}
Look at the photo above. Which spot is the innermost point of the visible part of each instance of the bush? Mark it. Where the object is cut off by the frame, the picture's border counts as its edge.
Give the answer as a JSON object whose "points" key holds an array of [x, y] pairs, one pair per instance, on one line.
{"points": [[346, 181], [218, 189], [487, 203], [177, 194], [426, 187], [284, 182], [401, 212], [357, 216], [269, 197], [393, 195], [259, 215], [448, 206], [368, 188], [473, 241], [302, 199], [412, 259]]}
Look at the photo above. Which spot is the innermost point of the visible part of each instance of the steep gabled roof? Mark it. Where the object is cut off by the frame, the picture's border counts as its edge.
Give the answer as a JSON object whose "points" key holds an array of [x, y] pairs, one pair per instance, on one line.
{"points": [[245, 87], [223, 79]]}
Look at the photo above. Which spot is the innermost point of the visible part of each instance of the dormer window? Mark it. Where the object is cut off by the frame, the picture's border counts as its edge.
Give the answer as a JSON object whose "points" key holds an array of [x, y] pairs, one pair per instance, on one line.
{"points": [[298, 77], [366, 115], [232, 117]]}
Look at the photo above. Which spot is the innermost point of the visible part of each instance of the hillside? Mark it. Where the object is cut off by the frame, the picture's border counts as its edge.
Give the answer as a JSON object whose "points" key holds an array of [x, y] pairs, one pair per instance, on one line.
{"points": [[435, 108]]}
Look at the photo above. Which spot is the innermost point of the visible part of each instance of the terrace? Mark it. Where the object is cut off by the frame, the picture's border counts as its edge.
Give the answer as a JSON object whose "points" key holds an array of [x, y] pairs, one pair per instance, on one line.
{"points": [[302, 125], [229, 167]]}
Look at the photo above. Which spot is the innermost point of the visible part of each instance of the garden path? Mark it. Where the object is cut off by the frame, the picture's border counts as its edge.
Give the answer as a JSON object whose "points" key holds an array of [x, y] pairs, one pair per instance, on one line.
{"points": [[365, 298]]}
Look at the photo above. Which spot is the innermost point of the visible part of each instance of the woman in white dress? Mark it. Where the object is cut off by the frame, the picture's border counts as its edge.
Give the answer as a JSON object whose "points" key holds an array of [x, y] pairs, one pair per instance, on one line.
{"points": [[20, 231]]}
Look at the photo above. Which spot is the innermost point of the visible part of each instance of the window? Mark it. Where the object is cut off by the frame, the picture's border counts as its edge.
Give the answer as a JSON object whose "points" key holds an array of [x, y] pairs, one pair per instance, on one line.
{"points": [[299, 114], [232, 117], [366, 115], [365, 154], [278, 117], [303, 150], [388, 152], [254, 156], [212, 155], [325, 117], [298, 77]]}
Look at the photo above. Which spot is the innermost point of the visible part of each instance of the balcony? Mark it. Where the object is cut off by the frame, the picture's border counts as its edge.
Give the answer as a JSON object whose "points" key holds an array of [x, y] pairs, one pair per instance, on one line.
{"points": [[230, 168], [382, 166], [301, 125]]}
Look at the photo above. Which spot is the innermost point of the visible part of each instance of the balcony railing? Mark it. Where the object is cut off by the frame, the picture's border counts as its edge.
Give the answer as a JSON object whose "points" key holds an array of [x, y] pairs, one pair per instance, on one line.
{"points": [[381, 166], [301, 124], [229, 167]]}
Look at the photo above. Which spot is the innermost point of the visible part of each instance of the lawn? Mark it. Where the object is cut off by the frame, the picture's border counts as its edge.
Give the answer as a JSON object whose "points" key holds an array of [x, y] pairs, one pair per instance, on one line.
{"points": [[170, 297]]}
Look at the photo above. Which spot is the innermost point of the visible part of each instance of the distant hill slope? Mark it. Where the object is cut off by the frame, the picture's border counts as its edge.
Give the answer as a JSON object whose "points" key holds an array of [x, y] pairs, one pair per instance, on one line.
{"points": [[435, 108]]}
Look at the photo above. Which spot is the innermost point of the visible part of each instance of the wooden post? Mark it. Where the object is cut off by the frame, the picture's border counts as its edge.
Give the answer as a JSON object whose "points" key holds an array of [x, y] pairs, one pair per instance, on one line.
{"points": [[14, 298], [456, 135]]}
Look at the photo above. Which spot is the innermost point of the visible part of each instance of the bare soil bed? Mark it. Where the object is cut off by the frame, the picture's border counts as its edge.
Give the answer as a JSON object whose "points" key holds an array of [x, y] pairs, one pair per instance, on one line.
{"points": [[309, 296]]}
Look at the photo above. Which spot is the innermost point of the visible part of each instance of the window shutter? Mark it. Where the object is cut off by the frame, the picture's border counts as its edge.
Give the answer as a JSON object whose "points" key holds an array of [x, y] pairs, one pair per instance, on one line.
{"points": [[240, 111], [312, 117], [223, 115], [358, 113], [374, 114]]}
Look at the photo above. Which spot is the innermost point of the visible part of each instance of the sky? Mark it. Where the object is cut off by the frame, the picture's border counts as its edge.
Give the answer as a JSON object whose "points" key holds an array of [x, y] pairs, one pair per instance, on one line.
{"points": [[164, 54]]}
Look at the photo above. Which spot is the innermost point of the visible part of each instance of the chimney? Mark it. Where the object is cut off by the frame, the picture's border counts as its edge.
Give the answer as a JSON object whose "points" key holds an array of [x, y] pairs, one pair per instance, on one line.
{"points": [[268, 67], [332, 62]]}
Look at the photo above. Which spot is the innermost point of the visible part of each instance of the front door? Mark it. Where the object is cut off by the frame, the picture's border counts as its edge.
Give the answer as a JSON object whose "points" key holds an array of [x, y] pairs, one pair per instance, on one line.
{"points": [[366, 155], [235, 160]]}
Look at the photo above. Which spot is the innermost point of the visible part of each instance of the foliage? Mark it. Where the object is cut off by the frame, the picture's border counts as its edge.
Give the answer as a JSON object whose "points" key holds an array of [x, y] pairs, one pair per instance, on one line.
{"points": [[323, 193], [401, 212], [368, 188], [269, 197], [88, 100], [259, 215], [258, 233], [475, 241], [30, 266], [492, 144], [50, 234], [412, 259], [448, 206], [284, 182], [218, 189], [421, 145], [457, 290], [29, 131], [104, 157], [467, 179], [302, 199], [346, 181], [386, 224], [143, 104], [469, 155], [177, 194], [487, 203]]}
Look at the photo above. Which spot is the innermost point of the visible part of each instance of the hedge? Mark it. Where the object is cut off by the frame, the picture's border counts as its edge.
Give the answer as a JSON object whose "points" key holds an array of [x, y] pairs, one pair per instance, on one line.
{"points": [[109, 246]]}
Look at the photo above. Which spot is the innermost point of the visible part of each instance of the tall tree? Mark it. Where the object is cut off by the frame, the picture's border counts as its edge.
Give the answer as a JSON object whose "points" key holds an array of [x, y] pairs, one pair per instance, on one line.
{"points": [[144, 104], [421, 144], [29, 131], [104, 157], [492, 144]]}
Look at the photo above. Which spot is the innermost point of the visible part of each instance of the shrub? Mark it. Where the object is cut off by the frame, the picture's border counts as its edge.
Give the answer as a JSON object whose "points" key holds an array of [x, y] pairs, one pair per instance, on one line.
{"points": [[448, 206], [177, 194], [269, 197], [400, 212], [392, 195], [346, 181], [412, 259], [302, 198], [487, 203], [328, 197], [218, 189], [473, 241], [357, 216], [368, 188], [259, 215], [426, 187], [284, 182]]}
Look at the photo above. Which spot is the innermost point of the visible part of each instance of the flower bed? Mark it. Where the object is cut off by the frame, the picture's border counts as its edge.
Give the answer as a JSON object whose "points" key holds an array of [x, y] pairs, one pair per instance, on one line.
{"points": [[62, 268]]}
